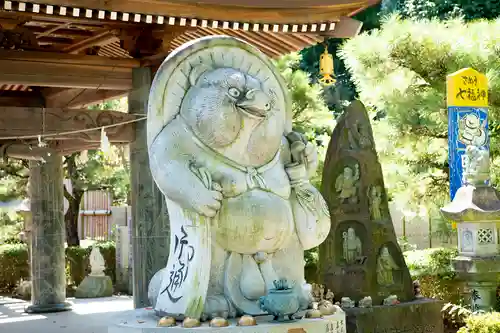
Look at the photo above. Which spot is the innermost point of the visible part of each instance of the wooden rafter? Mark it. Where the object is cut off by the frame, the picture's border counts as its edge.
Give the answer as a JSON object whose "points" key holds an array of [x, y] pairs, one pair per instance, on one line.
{"points": [[51, 30], [264, 48], [100, 38]]}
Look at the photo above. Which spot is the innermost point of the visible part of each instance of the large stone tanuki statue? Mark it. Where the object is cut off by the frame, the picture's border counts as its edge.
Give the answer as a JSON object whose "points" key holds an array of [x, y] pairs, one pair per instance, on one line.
{"points": [[235, 178]]}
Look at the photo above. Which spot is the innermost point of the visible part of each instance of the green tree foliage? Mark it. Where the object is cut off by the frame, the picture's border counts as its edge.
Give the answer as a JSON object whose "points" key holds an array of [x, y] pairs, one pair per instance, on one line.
{"points": [[400, 70], [13, 179], [443, 9], [311, 116]]}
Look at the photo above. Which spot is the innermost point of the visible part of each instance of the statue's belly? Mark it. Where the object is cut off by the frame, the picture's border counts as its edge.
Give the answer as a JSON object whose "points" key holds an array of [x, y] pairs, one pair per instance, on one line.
{"points": [[254, 221]]}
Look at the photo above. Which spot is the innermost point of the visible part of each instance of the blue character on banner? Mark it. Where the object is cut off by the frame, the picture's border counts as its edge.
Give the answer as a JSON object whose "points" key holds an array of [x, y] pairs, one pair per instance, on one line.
{"points": [[467, 127]]}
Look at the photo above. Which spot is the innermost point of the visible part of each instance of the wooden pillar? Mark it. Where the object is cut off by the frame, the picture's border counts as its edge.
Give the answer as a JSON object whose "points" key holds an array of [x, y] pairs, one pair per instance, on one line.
{"points": [[150, 224], [48, 292]]}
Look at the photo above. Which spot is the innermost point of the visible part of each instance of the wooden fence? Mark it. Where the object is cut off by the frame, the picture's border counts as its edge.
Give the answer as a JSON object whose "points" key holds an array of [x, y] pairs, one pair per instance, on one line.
{"points": [[95, 216], [94, 221]]}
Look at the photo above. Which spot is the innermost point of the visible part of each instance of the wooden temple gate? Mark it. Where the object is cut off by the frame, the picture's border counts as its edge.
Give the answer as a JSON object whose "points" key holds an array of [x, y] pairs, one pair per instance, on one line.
{"points": [[58, 56]]}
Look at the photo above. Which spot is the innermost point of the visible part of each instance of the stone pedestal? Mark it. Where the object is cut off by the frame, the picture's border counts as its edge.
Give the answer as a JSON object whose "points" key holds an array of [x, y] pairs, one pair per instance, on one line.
{"points": [[48, 235], [151, 232], [94, 286], [421, 316], [143, 320]]}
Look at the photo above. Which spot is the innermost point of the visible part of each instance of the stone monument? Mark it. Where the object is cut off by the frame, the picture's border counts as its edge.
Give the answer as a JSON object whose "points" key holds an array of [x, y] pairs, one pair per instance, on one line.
{"points": [[96, 284], [236, 182], [361, 260]]}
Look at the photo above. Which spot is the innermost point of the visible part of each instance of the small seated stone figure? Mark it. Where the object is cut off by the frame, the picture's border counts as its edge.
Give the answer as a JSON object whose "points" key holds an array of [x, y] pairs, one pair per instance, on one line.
{"points": [[351, 246], [347, 184], [358, 136], [391, 300], [329, 296], [326, 308], [366, 302], [385, 267], [316, 292], [347, 303], [375, 195]]}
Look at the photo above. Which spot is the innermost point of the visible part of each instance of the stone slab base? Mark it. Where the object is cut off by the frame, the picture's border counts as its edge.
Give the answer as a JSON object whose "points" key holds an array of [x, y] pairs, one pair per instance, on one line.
{"points": [[94, 287], [48, 308], [145, 321], [420, 316]]}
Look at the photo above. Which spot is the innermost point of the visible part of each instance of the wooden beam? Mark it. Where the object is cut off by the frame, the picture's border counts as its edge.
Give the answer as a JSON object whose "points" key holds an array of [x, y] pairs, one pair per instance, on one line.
{"points": [[24, 151], [24, 122], [65, 70], [21, 98], [278, 12], [99, 39], [10, 23], [78, 98], [345, 28], [68, 59], [67, 147]]}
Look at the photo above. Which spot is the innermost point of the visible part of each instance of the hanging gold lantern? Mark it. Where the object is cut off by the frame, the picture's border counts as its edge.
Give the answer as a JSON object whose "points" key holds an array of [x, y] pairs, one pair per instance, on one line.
{"points": [[326, 68]]}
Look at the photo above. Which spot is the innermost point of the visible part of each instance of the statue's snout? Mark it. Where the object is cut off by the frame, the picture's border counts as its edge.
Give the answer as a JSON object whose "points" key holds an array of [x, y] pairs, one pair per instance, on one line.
{"points": [[256, 102]]}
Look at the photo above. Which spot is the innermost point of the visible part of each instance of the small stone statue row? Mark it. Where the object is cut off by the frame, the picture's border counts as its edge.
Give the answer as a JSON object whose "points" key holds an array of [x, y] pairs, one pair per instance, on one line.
{"points": [[367, 302]]}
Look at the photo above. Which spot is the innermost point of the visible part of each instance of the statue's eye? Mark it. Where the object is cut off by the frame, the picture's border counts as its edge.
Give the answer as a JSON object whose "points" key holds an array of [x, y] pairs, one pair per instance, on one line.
{"points": [[233, 92]]}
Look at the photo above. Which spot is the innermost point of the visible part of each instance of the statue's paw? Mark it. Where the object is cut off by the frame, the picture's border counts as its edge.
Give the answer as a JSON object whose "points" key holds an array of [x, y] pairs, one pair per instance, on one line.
{"points": [[217, 306], [207, 203], [311, 157]]}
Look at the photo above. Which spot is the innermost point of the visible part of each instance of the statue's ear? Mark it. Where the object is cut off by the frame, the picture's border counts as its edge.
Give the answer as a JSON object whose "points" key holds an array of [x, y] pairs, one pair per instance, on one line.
{"points": [[196, 72]]}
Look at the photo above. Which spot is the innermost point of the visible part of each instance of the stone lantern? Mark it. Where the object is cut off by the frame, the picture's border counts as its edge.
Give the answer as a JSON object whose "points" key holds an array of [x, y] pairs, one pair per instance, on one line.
{"points": [[476, 212]]}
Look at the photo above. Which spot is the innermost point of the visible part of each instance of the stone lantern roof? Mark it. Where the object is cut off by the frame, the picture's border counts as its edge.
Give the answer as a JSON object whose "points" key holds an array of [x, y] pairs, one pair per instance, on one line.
{"points": [[473, 203]]}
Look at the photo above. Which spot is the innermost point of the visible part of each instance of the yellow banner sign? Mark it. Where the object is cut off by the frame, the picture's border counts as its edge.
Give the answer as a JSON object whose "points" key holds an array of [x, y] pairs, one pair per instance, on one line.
{"points": [[467, 87]]}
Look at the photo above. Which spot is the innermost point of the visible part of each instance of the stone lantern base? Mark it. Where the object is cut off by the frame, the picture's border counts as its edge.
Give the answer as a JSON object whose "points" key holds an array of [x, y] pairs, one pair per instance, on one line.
{"points": [[481, 277]]}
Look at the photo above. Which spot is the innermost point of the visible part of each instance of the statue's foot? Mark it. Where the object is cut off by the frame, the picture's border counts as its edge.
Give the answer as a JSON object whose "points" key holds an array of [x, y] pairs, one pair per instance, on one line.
{"points": [[154, 286], [218, 306]]}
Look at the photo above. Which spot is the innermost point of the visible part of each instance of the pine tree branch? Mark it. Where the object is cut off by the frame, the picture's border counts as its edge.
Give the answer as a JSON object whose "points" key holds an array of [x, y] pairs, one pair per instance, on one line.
{"points": [[13, 171]]}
